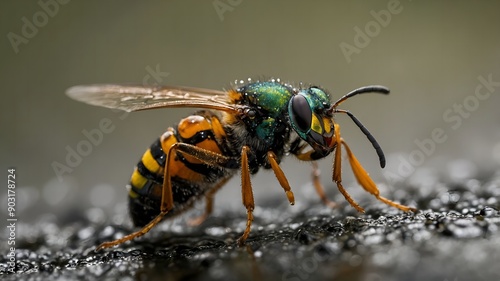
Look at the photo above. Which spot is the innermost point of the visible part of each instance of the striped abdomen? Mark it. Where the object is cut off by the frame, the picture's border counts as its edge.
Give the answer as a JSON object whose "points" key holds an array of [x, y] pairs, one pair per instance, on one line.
{"points": [[190, 177]]}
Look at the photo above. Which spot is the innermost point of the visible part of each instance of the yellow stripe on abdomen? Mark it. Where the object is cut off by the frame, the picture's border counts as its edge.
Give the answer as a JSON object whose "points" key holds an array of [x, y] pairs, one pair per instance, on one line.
{"points": [[137, 180], [150, 163]]}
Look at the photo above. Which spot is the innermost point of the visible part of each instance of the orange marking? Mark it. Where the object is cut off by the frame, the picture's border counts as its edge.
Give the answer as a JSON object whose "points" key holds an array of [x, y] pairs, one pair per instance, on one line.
{"points": [[191, 125], [234, 96], [205, 144], [217, 128]]}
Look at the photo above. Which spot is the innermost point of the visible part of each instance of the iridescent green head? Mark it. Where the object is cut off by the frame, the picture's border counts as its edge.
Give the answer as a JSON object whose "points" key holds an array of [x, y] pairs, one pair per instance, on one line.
{"points": [[311, 118]]}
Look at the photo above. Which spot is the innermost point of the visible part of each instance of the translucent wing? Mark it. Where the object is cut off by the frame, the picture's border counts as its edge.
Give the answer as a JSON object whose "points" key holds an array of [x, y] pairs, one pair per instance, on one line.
{"points": [[133, 98]]}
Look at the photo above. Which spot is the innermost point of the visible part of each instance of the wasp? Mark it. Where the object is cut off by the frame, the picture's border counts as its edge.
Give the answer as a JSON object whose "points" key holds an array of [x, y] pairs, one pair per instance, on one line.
{"points": [[251, 126]]}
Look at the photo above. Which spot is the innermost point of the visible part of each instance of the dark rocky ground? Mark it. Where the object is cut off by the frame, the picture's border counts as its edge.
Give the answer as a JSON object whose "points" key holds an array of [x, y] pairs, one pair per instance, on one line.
{"points": [[455, 236]]}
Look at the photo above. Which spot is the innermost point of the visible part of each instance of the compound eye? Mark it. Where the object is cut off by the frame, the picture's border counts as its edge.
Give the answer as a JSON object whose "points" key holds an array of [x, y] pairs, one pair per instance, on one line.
{"points": [[301, 113]]}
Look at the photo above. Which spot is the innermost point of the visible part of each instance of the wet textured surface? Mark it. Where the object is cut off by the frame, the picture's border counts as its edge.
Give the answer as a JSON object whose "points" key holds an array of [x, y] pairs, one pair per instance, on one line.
{"points": [[455, 236]]}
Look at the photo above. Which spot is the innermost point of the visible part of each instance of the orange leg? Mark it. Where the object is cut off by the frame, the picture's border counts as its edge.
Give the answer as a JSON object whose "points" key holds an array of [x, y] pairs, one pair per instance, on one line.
{"points": [[319, 187], [367, 183], [281, 177], [337, 173], [361, 176], [247, 193]]}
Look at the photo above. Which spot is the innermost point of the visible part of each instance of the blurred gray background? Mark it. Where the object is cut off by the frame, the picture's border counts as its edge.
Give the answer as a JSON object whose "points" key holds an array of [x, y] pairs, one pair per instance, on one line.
{"points": [[431, 55]]}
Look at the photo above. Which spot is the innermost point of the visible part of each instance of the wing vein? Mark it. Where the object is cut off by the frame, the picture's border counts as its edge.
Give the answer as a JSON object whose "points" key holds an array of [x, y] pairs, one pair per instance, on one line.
{"points": [[134, 98]]}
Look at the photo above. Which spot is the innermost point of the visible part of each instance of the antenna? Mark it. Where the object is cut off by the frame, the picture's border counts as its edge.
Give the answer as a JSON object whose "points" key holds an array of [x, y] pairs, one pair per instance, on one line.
{"points": [[362, 90]]}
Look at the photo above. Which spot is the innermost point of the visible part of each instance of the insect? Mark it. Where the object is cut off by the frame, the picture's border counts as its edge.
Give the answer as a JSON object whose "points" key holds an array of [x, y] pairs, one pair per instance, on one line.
{"points": [[251, 126]]}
